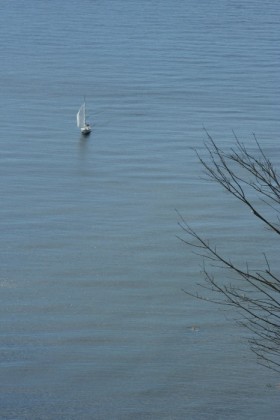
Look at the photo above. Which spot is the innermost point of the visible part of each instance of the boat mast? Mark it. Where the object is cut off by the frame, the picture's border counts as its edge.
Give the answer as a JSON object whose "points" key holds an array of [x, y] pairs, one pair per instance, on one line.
{"points": [[85, 114]]}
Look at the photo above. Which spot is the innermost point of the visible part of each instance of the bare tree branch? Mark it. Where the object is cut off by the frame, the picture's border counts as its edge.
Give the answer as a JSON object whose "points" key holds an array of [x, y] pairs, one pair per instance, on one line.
{"points": [[251, 179]]}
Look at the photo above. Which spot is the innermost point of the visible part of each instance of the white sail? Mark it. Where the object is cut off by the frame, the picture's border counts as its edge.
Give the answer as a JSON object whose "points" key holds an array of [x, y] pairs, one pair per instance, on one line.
{"points": [[81, 116], [81, 120]]}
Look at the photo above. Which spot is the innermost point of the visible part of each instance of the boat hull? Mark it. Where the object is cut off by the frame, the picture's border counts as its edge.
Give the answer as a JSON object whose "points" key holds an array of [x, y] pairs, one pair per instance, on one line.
{"points": [[85, 131]]}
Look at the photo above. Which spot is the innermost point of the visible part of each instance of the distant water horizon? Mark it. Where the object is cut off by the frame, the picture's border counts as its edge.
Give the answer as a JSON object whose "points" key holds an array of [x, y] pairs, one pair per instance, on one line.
{"points": [[94, 320]]}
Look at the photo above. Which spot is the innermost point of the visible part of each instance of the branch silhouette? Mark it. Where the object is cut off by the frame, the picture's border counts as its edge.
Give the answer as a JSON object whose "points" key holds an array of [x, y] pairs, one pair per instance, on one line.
{"points": [[252, 180]]}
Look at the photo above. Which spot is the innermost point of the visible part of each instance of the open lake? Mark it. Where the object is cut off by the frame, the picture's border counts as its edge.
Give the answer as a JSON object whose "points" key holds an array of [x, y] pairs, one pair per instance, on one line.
{"points": [[94, 320]]}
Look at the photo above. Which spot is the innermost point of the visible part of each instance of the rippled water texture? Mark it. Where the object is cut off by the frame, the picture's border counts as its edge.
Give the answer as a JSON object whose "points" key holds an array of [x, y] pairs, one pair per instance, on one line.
{"points": [[94, 322]]}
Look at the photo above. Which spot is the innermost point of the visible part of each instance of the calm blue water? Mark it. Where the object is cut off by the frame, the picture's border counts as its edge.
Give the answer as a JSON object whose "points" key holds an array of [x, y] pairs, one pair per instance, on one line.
{"points": [[94, 323]]}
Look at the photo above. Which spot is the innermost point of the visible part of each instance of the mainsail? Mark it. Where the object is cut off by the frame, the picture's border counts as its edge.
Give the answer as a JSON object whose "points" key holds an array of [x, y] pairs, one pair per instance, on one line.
{"points": [[81, 116]]}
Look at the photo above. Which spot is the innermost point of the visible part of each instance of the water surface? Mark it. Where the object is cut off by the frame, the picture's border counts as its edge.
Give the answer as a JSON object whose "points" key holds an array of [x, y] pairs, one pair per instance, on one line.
{"points": [[94, 323]]}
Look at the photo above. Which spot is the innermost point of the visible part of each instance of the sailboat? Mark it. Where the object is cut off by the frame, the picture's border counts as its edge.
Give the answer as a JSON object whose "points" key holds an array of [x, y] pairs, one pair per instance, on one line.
{"points": [[82, 124]]}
